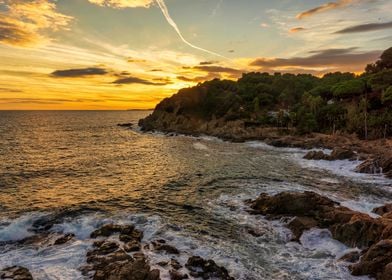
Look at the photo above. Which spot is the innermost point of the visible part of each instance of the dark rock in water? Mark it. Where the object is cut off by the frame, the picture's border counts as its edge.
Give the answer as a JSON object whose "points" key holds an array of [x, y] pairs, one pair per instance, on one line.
{"points": [[351, 257], [175, 264], [206, 269], [130, 125], [64, 239], [110, 229], [299, 224], [158, 246], [369, 166], [175, 275], [132, 246], [341, 153], [16, 273], [316, 155], [382, 210], [376, 261]]}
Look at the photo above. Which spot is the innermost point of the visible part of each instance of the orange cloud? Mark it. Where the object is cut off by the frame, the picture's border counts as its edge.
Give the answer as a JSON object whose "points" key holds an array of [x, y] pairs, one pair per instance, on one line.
{"points": [[123, 3], [23, 23], [326, 7], [297, 29]]}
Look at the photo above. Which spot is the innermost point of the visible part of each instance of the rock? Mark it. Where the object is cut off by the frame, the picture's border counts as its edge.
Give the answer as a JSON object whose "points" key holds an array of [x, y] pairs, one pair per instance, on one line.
{"points": [[291, 204], [376, 261], [16, 273], [165, 247], [299, 224], [64, 239], [129, 125], [108, 230], [175, 264], [206, 269], [341, 153], [387, 208], [175, 275], [316, 155], [134, 235], [351, 257], [386, 275], [369, 166], [132, 246]]}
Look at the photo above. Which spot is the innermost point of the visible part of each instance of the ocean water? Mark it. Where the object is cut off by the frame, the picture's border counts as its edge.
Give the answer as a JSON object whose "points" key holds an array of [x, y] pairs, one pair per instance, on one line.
{"points": [[80, 170]]}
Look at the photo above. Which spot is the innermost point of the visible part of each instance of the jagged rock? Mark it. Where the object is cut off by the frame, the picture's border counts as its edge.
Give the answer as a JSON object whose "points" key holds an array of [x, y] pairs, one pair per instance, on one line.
{"points": [[206, 269], [16, 273], [316, 155], [376, 261], [382, 210], [341, 153], [64, 239], [175, 275], [175, 264], [159, 246], [351, 257], [369, 166], [299, 224], [132, 246], [108, 230]]}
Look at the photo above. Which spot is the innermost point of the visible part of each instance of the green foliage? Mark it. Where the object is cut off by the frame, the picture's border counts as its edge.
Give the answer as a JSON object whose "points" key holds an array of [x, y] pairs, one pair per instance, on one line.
{"points": [[381, 81], [349, 88], [387, 95]]}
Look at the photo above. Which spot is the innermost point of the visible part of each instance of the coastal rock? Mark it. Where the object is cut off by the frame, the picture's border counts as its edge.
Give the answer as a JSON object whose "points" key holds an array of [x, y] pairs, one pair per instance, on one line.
{"points": [[64, 239], [376, 261], [299, 224], [342, 153], [369, 166], [16, 273], [162, 246], [351, 257], [382, 210], [206, 269], [316, 155], [109, 229], [175, 275]]}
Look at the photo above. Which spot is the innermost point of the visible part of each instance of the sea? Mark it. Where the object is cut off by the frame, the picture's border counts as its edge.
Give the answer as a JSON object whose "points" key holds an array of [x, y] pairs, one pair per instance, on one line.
{"points": [[80, 170]]}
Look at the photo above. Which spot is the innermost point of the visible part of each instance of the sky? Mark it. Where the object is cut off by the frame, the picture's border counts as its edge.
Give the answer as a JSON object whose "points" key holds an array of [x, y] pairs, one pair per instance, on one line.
{"points": [[130, 54]]}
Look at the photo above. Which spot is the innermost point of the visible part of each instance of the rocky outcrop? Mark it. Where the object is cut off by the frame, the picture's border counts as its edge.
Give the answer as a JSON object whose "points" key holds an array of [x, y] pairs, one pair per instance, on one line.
{"points": [[377, 165], [16, 273], [382, 210], [337, 154], [352, 228], [206, 269]]}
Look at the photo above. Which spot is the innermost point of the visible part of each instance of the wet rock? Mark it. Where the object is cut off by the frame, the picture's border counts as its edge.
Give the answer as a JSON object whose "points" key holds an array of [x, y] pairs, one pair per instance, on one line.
{"points": [[110, 229], [351, 257], [316, 155], [206, 269], [299, 224], [292, 204], [128, 125], [342, 153], [175, 264], [16, 273], [165, 247], [175, 275], [369, 166], [382, 210], [376, 261], [64, 239], [132, 246]]}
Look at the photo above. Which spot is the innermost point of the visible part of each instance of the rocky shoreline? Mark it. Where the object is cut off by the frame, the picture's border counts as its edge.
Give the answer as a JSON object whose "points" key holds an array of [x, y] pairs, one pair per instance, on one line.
{"points": [[376, 154], [373, 236]]}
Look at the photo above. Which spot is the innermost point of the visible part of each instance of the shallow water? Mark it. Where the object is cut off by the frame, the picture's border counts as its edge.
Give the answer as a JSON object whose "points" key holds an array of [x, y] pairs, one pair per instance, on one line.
{"points": [[81, 170]]}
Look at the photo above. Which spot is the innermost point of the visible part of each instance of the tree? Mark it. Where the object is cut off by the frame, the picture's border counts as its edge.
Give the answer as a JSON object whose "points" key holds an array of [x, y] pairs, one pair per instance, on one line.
{"points": [[387, 96], [349, 88]]}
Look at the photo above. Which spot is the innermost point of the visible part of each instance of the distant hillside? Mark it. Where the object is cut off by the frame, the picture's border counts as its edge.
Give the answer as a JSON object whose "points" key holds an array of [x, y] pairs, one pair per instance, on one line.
{"points": [[296, 104]]}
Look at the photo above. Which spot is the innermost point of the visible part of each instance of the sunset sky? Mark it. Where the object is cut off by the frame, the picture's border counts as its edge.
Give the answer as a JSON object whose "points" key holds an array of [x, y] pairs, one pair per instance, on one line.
{"points": [[130, 54]]}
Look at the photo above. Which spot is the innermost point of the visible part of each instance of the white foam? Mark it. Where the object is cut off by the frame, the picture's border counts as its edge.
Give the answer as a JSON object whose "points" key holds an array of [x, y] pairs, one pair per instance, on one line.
{"points": [[200, 146], [17, 229]]}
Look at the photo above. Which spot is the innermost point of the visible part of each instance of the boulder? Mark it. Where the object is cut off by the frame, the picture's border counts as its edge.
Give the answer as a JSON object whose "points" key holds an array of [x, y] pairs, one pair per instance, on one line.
{"points": [[342, 153], [206, 269], [110, 229], [16, 273], [64, 239], [376, 261], [316, 155], [299, 224], [369, 166], [162, 246], [176, 275], [351, 257], [382, 210]]}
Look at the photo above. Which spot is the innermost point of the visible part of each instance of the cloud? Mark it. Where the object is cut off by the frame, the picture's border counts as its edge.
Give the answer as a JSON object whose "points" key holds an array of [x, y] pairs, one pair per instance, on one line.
{"points": [[297, 29], [208, 62], [123, 3], [325, 7], [217, 69], [26, 22], [136, 80], [199, 79], [365, 27], [82, 72], [339, 58], [10, 90]]}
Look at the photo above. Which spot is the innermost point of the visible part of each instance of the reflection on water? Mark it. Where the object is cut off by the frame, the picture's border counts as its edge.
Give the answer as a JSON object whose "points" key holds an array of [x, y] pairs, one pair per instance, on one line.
{"points": [[82, 162]]}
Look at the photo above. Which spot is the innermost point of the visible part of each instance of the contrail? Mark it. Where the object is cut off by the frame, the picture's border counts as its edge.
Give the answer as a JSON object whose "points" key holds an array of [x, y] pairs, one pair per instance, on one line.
{"points": [[165, 11]]}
